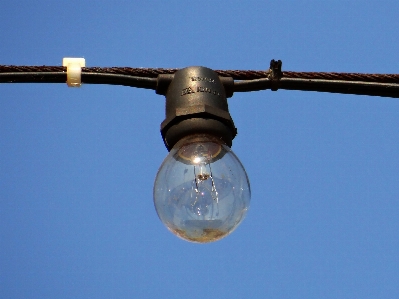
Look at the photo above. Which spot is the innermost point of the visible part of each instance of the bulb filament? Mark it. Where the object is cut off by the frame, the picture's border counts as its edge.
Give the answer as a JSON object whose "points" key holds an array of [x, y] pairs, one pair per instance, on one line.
{"points": [[203, 176]]}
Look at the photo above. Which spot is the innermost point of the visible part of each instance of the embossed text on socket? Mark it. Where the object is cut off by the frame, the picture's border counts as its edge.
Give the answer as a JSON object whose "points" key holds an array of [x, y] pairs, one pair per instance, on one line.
{"points": [[206, 89], [210, 80], [187, 90]]}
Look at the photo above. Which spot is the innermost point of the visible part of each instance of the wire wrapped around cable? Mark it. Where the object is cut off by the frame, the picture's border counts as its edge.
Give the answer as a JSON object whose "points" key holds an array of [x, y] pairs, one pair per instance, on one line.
{"points": [[332, 86], [384, 85], [88, 78]]}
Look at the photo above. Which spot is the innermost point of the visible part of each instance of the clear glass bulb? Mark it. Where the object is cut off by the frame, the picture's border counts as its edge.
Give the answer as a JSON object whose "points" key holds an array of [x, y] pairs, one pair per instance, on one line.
{"points": [[201, 191]]}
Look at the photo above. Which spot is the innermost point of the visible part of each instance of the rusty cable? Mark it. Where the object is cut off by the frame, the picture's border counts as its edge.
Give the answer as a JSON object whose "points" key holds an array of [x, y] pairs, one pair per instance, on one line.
{"points": [[248, 80], [235, 74]]}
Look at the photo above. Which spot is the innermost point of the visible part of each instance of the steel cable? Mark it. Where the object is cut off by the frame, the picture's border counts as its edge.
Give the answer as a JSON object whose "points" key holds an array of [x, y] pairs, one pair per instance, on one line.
{"points": [[235, 74], [247, 80]]}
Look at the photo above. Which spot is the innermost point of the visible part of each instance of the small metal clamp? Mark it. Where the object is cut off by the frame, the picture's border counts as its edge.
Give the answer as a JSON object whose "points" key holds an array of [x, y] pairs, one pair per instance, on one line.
{"points": [[275, 74], [74, 70]]}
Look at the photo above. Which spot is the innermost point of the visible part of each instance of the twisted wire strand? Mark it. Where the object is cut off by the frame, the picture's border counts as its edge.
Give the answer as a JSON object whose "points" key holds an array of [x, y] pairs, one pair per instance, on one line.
{"points": [[385, 85], [235, 74]]}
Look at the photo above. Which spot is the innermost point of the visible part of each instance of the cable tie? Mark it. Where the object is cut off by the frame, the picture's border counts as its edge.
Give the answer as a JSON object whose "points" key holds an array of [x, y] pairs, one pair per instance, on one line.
{"points": [[74, 70]]}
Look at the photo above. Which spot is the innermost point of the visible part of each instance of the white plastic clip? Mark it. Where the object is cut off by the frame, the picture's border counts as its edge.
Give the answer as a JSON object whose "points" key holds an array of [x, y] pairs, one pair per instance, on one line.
{"points": [[74, 70]]}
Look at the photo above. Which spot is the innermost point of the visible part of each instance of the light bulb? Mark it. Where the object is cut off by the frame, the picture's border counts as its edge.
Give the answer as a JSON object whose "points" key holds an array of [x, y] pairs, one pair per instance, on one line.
{"points": [[201, 191]]}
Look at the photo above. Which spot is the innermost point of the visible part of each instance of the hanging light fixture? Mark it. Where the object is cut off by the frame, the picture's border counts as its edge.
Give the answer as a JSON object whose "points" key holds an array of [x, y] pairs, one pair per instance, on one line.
{"points": [[201, 191]]}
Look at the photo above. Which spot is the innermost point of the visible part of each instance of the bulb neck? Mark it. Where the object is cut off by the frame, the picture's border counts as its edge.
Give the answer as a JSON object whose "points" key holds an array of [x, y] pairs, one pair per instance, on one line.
{"points": [[194, 148], [196, 104], [198, 138]]}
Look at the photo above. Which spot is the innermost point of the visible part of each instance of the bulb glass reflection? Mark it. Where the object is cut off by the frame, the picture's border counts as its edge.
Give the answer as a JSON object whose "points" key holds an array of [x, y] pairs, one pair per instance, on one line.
{"points": [[201, 191]]}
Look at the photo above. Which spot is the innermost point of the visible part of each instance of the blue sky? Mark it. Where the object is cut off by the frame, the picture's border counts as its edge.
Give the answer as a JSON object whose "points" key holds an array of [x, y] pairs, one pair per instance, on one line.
{"points": [[77, 166]]}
